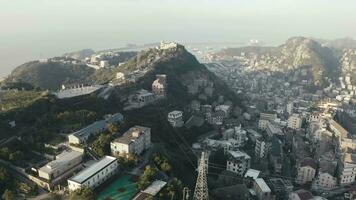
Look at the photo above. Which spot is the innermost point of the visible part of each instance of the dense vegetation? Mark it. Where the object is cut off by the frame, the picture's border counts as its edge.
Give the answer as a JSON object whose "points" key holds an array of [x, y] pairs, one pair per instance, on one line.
{"points": [[50, 75], [16, 99]]}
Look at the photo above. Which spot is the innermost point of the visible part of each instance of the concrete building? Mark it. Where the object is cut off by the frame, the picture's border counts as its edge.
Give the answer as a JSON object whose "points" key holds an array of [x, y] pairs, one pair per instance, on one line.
{"points": [[81, 136], [325, 179], [226, 109], [134, 141], [252, 173], [104, 63], [64, 164], [295, 122], [94, 175], [290, 108], [264, 119], [276, 157], [175, 118], [263, 192], [273, 129], [240, 136], [238, 162], [306, 171], [347, 169], [338, 129], [159, 85], [281, 188], [144, 97], [261, 148], [168, 45]]}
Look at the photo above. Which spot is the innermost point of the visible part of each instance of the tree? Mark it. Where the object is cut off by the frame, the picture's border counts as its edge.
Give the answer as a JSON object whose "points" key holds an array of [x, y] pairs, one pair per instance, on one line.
{"points": [[166, 167], [147, 176], [82, 194], [18, 155], [112, 128], [101, 145], [8, 195]]}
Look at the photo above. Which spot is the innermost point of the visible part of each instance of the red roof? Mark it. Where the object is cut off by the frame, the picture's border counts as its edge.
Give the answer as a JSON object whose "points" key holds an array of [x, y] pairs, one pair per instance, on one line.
{"points": [[304, 194]]}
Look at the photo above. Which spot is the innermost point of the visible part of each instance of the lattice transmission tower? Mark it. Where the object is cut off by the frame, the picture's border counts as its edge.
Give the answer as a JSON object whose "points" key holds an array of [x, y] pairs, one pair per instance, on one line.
{"points": [[201, 187]]}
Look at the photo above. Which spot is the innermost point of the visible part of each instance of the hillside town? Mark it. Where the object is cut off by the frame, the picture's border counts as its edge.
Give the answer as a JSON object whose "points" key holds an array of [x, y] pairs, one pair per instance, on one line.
{"points": [[254, 135]]}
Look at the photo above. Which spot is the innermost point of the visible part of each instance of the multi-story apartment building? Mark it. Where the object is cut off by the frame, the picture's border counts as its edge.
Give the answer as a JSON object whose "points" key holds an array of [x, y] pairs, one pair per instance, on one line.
{"points": [[261, 148], [295, 122], [94, 175], [238, 162], [306, 171], [134, 141], [264, 119], [175, 118], [347, 169]]}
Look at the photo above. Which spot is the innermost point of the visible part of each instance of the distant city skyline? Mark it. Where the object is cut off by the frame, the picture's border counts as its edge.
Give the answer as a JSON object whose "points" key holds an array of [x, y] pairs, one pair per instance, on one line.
{"points": [[36, 29]]}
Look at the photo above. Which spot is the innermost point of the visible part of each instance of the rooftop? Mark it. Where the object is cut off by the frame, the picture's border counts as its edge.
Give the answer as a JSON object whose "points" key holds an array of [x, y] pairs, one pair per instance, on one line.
{"points": [[262, 185], [339, 128], [308, 162], [239, 154], [131, 135], [304, 194], [88, 172], [155, 187], [252, 173], [61, 160]]}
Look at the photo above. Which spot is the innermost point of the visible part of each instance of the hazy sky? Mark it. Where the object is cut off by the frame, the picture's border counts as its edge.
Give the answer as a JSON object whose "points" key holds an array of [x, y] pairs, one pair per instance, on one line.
{"points": [[31, 29]]}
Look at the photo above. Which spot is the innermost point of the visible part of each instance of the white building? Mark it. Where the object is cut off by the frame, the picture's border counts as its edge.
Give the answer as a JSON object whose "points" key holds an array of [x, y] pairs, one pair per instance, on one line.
{"points": [[261, 148], [263, 192], [97, 127], [252, 173], [63, 165], [240, 136], [104, 63], [226, 109], [76, 91], [290, 108], [168, 45], [347, 169], [94, 175], [325, 179], [295, 122], [175, 118], [238, 162], [120, 76], [306, 171], [134, 141], [159, 85]]}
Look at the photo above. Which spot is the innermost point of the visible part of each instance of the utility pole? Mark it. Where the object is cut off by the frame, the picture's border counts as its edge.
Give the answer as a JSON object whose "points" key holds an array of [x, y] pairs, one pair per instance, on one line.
{"points": [[201, 187]]}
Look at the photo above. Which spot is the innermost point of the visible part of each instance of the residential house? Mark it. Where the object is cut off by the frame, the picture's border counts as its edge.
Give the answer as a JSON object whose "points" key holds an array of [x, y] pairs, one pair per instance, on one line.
{"points": [[175, 118], [238, 162], [306, 171]]}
